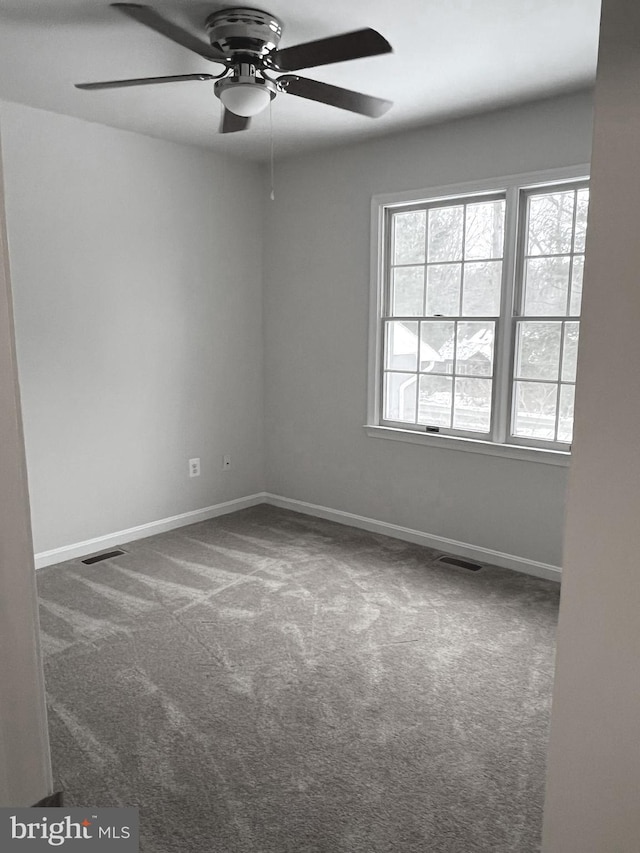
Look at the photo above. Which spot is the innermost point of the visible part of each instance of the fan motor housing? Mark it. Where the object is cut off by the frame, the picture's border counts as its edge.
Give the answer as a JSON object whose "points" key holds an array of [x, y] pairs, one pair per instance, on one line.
{"points": [[243, 30]]}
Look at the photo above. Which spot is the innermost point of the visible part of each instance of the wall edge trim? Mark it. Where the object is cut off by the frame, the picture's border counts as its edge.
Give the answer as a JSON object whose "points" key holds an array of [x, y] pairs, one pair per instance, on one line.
{"points": [[141, 531], [418, 537], [406, 534]]}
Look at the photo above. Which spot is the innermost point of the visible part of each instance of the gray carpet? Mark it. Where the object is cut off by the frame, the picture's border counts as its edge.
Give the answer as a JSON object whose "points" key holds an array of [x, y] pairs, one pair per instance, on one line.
{"points": [[268, 682]]}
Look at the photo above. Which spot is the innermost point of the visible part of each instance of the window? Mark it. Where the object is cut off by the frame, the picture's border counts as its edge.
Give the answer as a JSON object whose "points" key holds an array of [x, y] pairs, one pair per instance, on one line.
{"points": [[478, 313], [547, 326]]}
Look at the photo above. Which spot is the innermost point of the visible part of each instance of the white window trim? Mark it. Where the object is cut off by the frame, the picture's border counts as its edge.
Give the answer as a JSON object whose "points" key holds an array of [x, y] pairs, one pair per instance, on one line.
{"points": [[510, 185]]}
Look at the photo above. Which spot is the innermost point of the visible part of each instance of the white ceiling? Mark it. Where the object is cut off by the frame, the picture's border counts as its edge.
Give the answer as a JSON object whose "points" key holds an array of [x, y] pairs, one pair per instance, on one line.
{"points": [[451, 57]]}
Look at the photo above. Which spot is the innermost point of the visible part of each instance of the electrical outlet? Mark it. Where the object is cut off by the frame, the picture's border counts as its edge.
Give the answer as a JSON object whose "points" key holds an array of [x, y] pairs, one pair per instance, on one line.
{"points": [[194, 467], [226, 462]]}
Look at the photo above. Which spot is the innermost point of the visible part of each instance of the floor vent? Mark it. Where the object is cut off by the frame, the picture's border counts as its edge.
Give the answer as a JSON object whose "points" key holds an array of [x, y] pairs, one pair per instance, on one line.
{"points": [[99, 557], [463, 564]]}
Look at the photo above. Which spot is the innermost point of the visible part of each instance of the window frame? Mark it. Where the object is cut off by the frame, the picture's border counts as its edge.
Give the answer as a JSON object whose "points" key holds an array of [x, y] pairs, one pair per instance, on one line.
{"points": [[517, 312], [386, 316], [514, 188]]}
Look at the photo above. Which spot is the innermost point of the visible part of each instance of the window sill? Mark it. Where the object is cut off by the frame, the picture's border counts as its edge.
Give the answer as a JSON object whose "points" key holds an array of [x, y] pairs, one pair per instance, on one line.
{"points": [[469, 445]]}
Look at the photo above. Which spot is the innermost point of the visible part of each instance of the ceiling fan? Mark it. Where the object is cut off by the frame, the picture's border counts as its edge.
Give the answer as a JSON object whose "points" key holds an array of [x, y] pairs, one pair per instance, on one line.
{"points": [[246, 42]]}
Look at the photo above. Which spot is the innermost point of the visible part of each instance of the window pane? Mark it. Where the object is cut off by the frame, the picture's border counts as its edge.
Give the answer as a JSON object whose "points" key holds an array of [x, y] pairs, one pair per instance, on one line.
{"points": [[482, 288], [535, 410], [435, 401], [546, 286], [402, 346], [472, 408], [565, 421], [445, 234], [407, 291], [400, 397], [484, 232], [570, 352], [581, 220], [576, 286], [550, 223], [538, 350], [409, 231], [474, 350], [443, 290], [436, 347]]}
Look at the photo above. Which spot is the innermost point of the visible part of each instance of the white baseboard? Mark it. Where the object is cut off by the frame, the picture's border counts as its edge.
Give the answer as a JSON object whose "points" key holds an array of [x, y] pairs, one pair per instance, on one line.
{"points": [[439, 543], [407, 534], [91, 546]]}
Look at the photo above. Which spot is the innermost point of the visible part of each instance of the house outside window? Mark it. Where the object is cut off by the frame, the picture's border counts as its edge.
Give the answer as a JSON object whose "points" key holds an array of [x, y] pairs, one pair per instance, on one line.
{"points": [[476, 312]]}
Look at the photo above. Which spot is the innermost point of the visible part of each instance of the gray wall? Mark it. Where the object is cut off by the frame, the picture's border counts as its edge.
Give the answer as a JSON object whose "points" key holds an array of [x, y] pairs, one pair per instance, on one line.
{"points": [[25, 768], [594, 754], [139, 273], [316, 308], [138, 300]]}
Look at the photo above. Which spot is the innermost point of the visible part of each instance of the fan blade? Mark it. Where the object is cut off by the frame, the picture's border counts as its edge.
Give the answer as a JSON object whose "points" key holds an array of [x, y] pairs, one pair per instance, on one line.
{"points": [[353, 45], [335, 96], [150, 18], [143, 81], [231, 123]]}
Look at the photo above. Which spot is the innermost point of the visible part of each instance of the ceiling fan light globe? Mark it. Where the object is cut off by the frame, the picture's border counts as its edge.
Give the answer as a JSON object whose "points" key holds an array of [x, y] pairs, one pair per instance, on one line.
{"points": [[245, 99]]}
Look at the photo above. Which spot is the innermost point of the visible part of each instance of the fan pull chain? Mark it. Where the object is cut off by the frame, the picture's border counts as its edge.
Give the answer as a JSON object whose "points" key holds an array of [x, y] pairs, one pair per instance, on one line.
{"points": [[273, 194]]}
